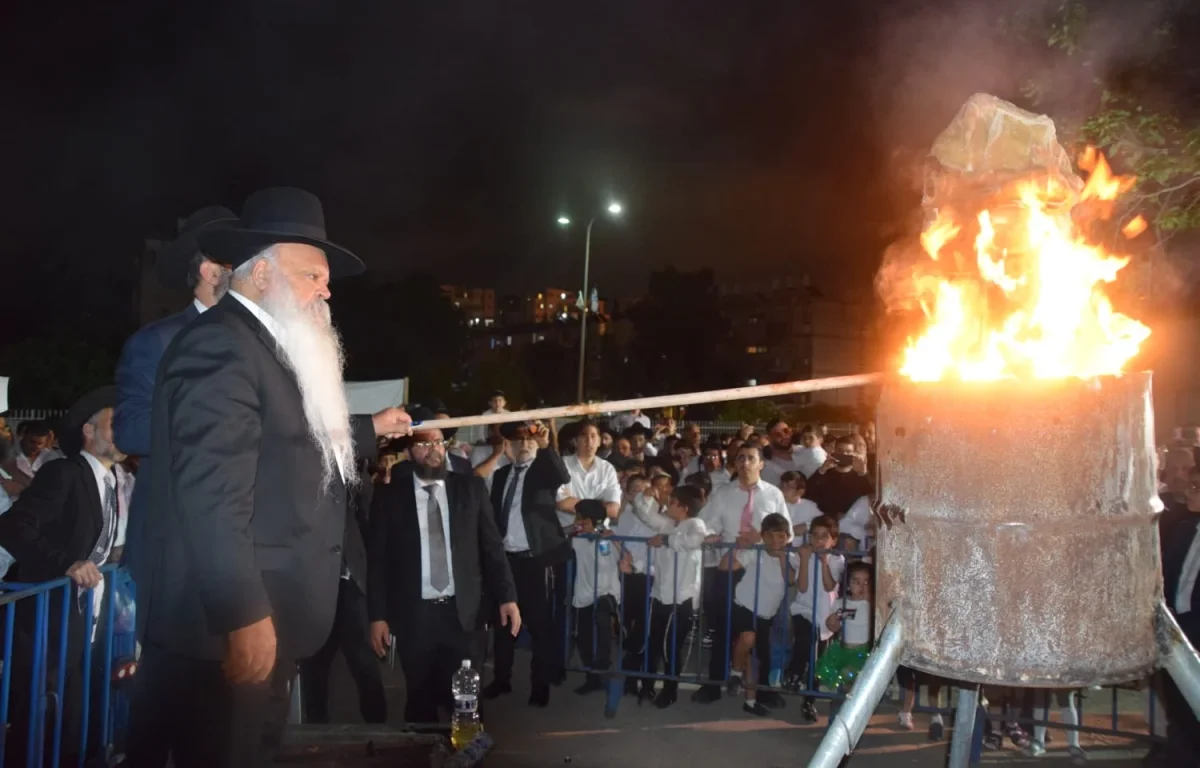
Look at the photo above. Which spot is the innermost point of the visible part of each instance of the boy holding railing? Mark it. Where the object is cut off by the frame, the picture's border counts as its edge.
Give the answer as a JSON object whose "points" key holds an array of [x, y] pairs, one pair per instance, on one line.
{"points": [[676, 589], [817, 580]]}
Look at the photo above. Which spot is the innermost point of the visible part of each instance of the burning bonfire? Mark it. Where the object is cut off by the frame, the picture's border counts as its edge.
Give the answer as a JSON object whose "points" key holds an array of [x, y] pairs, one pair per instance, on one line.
{"points": [[1007, 277]]}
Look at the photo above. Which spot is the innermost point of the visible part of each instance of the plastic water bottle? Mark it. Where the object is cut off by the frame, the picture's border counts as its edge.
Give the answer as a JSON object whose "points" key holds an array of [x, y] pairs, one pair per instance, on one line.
{"points": [[465, 725]]}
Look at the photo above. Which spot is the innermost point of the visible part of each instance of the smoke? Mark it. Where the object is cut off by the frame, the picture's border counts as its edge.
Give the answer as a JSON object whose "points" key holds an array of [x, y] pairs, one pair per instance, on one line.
{"points": [[930, 58]]}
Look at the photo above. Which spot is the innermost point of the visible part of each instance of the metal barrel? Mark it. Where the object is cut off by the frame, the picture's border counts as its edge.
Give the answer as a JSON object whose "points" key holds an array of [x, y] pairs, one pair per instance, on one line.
{"points": [[1020, 531]]}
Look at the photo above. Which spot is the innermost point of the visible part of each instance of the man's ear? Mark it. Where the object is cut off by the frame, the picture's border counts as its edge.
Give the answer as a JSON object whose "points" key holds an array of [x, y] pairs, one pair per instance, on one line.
{"points": [[89, 431]]}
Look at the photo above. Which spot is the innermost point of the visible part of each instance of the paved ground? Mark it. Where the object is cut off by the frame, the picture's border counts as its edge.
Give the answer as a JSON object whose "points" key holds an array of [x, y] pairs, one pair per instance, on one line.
{"points": [[574, 732]]}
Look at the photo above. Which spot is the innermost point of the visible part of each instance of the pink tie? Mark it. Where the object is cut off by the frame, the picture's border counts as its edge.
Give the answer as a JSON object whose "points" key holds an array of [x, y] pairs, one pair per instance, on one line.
{"points": [[748, 512]]}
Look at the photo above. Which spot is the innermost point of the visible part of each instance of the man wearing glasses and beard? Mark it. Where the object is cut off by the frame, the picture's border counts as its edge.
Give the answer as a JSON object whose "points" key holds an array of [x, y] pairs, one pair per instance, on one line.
{"points": [[433, 551]]}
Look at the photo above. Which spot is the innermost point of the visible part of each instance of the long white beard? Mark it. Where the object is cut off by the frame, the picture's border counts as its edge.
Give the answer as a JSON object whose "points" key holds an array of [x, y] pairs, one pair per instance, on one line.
{"points": [[312, 349]]}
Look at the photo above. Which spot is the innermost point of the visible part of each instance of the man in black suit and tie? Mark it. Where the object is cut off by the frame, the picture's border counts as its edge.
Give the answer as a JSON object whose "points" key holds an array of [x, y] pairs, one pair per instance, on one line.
{"points": [[254, 455], [434, 556], [525, 496], [179, 265], [64, 524], [1181, 565]]}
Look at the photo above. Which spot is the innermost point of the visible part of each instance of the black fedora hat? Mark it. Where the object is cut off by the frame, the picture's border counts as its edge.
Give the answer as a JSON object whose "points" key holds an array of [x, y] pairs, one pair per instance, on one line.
{"points": [[173, 259], [70, 436], [278, 215]]}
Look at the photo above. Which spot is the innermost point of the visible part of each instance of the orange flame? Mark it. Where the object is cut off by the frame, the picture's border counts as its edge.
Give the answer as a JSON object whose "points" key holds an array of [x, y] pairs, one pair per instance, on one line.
{"points": [[1034, 305]]}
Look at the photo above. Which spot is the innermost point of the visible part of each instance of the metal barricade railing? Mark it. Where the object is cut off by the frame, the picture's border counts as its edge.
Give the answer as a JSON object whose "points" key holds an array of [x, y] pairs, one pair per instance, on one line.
{"points": [[44, 685], [691, 669]]}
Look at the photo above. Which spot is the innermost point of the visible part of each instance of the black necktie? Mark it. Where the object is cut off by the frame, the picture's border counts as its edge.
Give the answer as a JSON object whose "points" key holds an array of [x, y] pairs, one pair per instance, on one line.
{"points": [[103, 544], [510, 493]]}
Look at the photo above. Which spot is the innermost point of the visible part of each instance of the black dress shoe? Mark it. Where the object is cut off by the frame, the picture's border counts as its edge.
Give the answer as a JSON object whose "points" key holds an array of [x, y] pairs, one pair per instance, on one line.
{"points": [[707, 694], [771, 700], [592, 684], [496, 688], [665, 699], [540, 696]]}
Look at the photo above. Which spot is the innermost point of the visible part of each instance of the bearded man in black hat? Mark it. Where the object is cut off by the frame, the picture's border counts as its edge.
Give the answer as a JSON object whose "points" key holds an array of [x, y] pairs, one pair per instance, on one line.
{"points": [[179, 265], [255, 455], [64, 524]]}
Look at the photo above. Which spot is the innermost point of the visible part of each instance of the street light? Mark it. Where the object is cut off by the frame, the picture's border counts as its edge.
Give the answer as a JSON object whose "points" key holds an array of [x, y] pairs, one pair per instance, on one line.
{"points": [[614, 209]]}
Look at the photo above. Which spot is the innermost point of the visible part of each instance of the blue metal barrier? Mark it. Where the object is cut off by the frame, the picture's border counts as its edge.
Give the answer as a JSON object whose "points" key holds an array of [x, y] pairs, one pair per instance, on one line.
{"points": [[29, 661], [686, 670]]}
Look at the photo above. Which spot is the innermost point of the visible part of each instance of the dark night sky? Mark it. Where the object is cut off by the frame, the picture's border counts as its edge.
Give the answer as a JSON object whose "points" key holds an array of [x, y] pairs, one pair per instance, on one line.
{"points": [[448, 135]]}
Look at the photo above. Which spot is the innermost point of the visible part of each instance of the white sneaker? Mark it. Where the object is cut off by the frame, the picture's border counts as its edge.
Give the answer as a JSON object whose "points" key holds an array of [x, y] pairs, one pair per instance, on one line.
{"points": [[906, 721], [1035, 749]]}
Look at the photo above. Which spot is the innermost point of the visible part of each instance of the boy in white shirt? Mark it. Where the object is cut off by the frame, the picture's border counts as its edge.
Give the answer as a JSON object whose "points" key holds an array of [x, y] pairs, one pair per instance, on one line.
{"points": [[803, 511], [756, 599], [676, 588], [597, 593], [817, 581], [647, 520]]}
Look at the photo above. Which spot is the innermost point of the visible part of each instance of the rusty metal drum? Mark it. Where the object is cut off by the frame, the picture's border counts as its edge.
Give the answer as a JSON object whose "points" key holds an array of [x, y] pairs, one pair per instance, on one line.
{"points": [[1020, 541]]}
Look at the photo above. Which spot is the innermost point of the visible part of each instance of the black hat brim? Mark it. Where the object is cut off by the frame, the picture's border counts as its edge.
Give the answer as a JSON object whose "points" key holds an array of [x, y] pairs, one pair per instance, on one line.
{"points": [[173, 259], [237, 246]]}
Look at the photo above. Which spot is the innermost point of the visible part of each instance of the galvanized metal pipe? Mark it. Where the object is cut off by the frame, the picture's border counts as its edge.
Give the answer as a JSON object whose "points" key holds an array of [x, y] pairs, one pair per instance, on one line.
{"points": [[1178, 657], [662, 401], [964, 726], [847, 728]]}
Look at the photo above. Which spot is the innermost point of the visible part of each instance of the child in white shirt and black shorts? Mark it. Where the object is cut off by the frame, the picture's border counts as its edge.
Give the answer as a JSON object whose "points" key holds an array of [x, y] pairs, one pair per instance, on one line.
{"points": [[756, 599], [817, 581]]}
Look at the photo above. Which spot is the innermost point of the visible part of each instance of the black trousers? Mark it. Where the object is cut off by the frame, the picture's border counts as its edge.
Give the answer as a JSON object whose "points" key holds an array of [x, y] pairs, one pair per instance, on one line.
{"points": [[350, 636], [666, 619], [529, 575], [186, 708], [1183, 730], [803, 633], [717, 604], [21, 685], [560, 617], [633, 620], [431, 646], [595, 633]]}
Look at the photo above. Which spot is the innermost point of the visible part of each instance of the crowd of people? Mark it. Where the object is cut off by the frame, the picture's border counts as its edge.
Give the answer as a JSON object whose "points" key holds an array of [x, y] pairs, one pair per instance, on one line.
{"points": [[267, 528]]}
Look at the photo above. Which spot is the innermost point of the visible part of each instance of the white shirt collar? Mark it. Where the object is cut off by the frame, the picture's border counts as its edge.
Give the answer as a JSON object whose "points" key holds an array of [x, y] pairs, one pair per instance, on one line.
{"points": [[262, 315], [199, 306], [99, 470], [420, 484]]}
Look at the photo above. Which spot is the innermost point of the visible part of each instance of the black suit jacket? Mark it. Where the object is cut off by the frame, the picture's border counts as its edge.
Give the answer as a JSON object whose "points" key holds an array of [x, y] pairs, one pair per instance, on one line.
{"points": [[54, 524], [56, 521], [539, 505], [1176, 540], [354, 546], [394, 552], [238, 526]]}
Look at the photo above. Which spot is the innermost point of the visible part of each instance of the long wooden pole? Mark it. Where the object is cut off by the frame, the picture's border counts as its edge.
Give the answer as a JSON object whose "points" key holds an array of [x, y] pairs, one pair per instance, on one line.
{"points": [[662, 401]]}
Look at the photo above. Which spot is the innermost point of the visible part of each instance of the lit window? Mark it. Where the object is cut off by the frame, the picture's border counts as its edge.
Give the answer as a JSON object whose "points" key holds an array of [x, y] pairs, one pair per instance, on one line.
{"points": [[510, 341]]}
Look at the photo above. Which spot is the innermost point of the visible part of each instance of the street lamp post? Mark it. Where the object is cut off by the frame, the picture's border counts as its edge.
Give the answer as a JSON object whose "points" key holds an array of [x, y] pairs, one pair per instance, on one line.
{"points": [[614, 209]]}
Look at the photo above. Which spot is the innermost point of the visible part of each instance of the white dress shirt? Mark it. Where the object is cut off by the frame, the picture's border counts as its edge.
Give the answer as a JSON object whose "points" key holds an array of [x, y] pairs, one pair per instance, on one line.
{"points": [[779, 463], [276, 331], [427, 590], [623, 421], [803, 602], [632, 523], [31, 467], [1187, 576], [678, 565], [767, 572], [600, 483], [809, 460], [102, 476], [596, 571], [199, 306], [516, 539], [723, 513], [803, 512]]}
